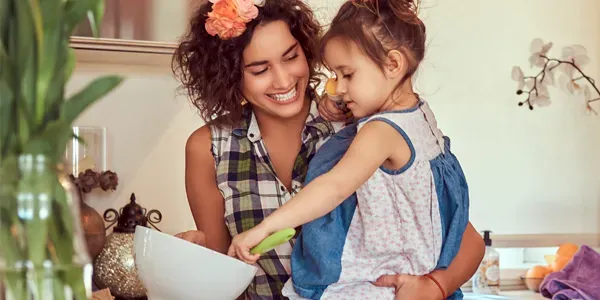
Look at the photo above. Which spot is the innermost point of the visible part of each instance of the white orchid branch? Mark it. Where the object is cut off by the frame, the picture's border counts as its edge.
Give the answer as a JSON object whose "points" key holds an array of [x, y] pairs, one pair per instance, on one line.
{"points": [[570, 64]]}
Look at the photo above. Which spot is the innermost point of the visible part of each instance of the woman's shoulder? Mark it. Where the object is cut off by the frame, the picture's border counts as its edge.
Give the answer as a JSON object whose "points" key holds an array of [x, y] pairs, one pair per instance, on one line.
{"points": [[199, 140], [198, 147], [211, 138], [210, 131]]}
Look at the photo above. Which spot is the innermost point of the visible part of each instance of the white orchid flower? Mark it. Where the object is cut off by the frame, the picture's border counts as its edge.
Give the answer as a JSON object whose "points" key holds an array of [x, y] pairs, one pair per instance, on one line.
{"points": [[567, 83], [575, 54], [538, 49], [517, 75], [540, 97]]}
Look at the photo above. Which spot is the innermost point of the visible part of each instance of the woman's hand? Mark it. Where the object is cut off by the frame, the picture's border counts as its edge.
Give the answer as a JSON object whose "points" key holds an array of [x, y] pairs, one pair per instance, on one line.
{"points": [[410, 287], [333, 111], [194, 236], [243, 242]]}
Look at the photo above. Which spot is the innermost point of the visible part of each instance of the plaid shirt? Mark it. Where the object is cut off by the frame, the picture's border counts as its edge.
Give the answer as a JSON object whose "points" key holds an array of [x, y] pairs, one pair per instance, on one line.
{"points": [[252, 191]]}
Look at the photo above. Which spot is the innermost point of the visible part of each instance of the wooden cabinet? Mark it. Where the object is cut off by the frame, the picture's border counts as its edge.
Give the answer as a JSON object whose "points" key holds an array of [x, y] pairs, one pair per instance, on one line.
{"points": [[143, 20]]}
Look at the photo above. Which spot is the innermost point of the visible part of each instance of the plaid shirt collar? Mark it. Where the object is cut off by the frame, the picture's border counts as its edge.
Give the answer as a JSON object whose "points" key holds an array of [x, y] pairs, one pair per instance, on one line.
{"points": [[249, 126]]}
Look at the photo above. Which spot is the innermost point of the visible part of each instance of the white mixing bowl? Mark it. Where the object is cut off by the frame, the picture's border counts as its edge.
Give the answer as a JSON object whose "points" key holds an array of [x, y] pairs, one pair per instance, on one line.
{"points": [[173, 269]]}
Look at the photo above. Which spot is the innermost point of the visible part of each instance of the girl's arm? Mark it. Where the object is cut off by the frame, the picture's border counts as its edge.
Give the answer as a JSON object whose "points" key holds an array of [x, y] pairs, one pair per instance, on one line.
{"points": [[371, 147]]}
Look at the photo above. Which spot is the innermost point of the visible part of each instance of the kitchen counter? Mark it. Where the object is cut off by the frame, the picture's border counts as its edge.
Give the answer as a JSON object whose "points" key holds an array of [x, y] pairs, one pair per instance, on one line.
{"points": [[521, 295]]}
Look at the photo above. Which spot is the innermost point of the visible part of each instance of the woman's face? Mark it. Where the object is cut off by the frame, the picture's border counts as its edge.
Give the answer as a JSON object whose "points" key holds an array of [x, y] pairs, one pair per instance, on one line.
{"points": [[276, 73]]}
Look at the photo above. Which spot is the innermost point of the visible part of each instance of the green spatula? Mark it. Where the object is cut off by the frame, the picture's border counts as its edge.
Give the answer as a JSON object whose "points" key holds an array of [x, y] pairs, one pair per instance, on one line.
{"points": [[273, 241]]}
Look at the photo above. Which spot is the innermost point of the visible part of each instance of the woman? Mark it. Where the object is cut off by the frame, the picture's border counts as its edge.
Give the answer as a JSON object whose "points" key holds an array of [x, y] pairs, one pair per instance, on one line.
{"points": [[253, 157]]}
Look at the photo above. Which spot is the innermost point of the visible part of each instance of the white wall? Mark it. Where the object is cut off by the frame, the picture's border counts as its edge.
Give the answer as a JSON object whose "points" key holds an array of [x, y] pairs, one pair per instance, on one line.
{"points": [[147, 126], [538, 168], [528, 171]]}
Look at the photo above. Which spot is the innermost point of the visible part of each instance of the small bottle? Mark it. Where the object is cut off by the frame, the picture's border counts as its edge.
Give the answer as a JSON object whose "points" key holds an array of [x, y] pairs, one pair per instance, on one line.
{"points": [[487, 277], [330, 91]]}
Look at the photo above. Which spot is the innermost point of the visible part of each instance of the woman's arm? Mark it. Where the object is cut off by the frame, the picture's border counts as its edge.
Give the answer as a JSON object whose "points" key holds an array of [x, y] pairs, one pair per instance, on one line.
{"points": [[205, 199], [465, 264]]}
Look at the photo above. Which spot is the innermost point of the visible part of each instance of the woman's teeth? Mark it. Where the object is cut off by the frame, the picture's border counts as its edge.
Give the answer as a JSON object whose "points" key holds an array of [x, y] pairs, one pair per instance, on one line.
{"points": [[284, 97]]}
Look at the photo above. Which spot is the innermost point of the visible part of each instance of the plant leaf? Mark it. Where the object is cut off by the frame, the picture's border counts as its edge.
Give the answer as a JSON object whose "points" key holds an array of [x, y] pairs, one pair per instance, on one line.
{"points": [[76, 11], [59, 286], [61, 228], [10, 250], [3, 54], [29, 208], [52, 52], [75, 276], [16, 284], [52, 141], [23, 126], [56, 90], [22, 44], [70, 64], [5, 19], [95, 15], [38, 29], [6, 99], [6, 116], [72, 108], [24, 40], [9, 177]]}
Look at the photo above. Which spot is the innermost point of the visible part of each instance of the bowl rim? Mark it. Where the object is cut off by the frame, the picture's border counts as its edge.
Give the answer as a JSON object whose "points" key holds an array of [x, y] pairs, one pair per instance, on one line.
{"points": [[179, 240]]}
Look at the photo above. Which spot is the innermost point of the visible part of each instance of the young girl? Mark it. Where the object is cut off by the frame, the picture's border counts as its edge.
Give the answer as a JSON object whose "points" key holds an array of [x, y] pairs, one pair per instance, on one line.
{"points": [[411, 198]]}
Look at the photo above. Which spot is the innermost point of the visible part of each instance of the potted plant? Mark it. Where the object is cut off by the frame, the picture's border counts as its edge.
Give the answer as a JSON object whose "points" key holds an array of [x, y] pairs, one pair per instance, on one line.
{"points": [[42, 251]]}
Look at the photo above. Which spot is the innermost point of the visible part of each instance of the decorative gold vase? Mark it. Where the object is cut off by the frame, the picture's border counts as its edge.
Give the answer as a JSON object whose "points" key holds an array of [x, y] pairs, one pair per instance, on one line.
{"points": [[114, 267]]}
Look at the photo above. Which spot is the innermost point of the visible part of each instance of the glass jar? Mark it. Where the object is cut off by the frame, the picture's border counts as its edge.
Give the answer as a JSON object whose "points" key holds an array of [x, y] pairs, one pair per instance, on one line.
{"points": [[43, 253]]}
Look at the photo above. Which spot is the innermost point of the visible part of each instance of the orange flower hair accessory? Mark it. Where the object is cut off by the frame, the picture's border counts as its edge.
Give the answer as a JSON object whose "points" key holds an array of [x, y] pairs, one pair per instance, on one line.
{"points": [[228, 18]]}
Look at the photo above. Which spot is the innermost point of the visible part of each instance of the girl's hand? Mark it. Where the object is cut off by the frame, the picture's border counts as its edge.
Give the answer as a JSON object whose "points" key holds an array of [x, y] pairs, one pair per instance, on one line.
{"points": [[411, 287], [243, 242], [333, 111]]}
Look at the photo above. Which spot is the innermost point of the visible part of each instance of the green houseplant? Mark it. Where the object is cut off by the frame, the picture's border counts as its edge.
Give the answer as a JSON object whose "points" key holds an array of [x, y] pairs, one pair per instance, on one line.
{"points": [[39, 237]]}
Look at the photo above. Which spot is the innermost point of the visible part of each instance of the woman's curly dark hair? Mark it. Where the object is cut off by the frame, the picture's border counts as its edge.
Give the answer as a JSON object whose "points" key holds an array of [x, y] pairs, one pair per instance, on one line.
{"points": [[210, 69]]}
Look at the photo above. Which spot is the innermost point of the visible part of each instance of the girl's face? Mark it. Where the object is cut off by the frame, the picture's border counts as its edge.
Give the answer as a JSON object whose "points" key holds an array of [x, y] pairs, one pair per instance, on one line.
{"points": [[276, 72], [364, 87]]}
